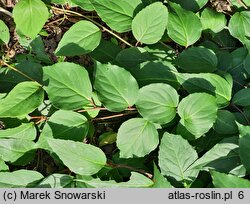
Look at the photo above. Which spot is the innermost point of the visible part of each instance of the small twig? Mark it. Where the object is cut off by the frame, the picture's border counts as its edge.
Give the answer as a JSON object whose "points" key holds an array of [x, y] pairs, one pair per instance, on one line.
{"points": [[242, 3], [238, 109], [40, 119], [57, 20], [137, 43], [130, 168], [96, 23], [114, 116], [5, 12], [101, 108], [18, 71]]}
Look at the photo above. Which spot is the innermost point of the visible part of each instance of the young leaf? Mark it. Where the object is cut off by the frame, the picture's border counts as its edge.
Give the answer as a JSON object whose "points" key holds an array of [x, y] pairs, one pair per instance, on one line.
{"points": [[56, 181], [197, 60], [19, 179], [83, 37], [209, 83], [150, 23], [225, 123], [212, 20], [198, 112], [157, 103], [30, 16], [159, 180], [13, 149], [221, 180], [116, 88], [24, 98], [137, 137], [67, 125], [183, 27], [84, 159], [175, 157], [26, 131], [4, 33], [107, 138], [242, 97], [117, 14], [239, 26], [72, 90], [244, 144], [136, 181]]}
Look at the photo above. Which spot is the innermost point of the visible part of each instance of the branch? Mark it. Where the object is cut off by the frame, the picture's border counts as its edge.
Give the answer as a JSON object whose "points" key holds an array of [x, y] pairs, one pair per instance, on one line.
{"points": [[96, 23], [114, 116], [5, 12], [242, 3], [130, 168], [18, 71], [238, 109], [101, 108]]}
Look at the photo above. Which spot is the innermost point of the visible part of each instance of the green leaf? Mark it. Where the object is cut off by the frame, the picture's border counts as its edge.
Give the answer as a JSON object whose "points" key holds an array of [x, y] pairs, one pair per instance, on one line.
{"points": [[197, 60], [161, 51], [136, 181], [224, 157], [198, 112], [193, 5], [13, 149], [142, 136], [38, 49], [72, 90], [246, 64], [242, 97], [239, 4], [107, 138], [4, 32], [83, 37], [225, 123], [175, 157], [150, 23], [56, 181], [26, 131], [84, 4], [19, 179], [157, 103], [221, 180], [84, 159], [183, 27], [244, 144], [133, 56], [117, 14], [116, 88], [31, 69], [105, 52], [3, 166], [239, 26], [24, 98], [30, 16], [212, 20], [159, 180], [155, 72], [209, 83], [67, 125]]}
